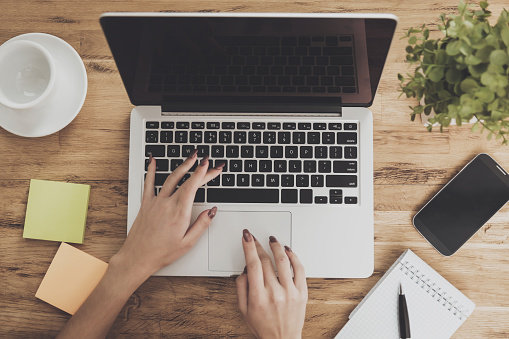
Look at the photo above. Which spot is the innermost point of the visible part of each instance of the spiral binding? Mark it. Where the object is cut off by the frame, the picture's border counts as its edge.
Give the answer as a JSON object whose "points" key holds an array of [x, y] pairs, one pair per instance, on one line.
{"points": [[436, 292]]}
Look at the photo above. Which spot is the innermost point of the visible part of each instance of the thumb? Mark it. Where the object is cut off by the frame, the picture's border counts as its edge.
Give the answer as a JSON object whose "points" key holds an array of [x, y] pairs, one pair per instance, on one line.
{"points": [[200, 225]]}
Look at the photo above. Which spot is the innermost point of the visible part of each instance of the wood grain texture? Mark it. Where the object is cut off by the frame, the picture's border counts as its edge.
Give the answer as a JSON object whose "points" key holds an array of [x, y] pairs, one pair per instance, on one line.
{"points": [[411, 165]]}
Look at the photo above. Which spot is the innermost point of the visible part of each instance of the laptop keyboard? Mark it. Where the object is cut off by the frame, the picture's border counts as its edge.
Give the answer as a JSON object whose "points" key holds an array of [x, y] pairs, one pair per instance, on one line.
{"points": [[260, 64], [265, 162]]}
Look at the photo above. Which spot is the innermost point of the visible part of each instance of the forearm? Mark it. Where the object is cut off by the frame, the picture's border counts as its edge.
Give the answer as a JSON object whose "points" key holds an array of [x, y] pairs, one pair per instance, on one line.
{"points": [[97, 314]]}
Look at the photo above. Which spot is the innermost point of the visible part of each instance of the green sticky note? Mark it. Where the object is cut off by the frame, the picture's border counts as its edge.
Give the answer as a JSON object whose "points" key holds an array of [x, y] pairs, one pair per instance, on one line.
{"points": [[56, 211]]}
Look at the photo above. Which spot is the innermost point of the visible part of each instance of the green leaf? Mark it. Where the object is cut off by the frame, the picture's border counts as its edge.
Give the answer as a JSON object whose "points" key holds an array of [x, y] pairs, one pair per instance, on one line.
{"points": [[485, 95], [412, 40], [469, 85], [484, 53], [453, 76], [483, 5], [499, 58], [453, 48], [504, 34], [436, 74], [472, 60], [426, 34]]}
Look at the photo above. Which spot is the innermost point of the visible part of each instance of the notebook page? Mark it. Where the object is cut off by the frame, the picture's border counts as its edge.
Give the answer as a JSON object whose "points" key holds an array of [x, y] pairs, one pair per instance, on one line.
{"points": [[436, 308]]}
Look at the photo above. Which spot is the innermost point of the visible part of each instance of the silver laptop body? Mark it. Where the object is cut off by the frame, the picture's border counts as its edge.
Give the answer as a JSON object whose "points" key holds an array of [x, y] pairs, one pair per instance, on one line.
{"points": [[278, 98]]}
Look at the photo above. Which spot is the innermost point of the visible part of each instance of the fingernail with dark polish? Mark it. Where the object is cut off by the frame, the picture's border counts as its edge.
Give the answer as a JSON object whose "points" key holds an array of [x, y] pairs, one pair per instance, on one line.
{"points": [[212, 212], [247, 236], [272, 238], [245, 269], [204, 161], [150, 158], [193, 154], [288, 249], [220, 165]]}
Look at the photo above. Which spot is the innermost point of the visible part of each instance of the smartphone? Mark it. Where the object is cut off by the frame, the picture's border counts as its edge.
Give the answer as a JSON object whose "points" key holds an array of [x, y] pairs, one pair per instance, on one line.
{"points": [[463, 205]]}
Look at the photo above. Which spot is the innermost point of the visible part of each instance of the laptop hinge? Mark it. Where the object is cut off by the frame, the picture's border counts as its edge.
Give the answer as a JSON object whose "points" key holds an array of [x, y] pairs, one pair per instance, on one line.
{"points": [[324, 105]]}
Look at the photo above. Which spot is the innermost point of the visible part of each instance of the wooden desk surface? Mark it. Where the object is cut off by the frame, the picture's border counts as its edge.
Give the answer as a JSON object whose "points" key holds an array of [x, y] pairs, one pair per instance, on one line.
{"points": [[410, 166]]}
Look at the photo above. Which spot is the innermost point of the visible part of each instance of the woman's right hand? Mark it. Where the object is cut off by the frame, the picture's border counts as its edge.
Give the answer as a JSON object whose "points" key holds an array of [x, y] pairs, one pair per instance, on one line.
{"points": [[272, 307]]}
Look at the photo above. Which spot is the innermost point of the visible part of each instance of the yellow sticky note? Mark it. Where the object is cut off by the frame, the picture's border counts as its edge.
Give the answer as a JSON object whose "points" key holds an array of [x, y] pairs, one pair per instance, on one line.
{"points": [[56, 211], [71, 277]]}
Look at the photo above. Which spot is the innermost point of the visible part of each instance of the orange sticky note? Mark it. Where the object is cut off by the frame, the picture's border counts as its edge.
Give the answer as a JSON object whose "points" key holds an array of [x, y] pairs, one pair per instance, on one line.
{"points": [[71, 277]]}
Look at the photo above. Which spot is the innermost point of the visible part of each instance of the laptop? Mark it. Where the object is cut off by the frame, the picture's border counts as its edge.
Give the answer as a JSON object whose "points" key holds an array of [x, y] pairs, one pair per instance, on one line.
{"points": [[283, 100]]}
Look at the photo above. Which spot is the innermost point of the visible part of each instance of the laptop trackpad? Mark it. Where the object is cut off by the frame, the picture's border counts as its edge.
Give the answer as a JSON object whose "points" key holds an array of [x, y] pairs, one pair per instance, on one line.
{"points": [[225, 236]]}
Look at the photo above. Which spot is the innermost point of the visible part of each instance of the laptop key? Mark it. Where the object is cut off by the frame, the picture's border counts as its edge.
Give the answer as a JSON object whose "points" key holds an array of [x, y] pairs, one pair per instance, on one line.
{"points": [[181, 137], [280, 166], [344, 166], [335, 193], [250, 166], [166, 137], [243, 125], [255, 137], [302, 180], [197, 125], [257, 180], [320, 200], [287, 180], [213, 125], [232, 151], [242, 179], [350, 200], [272, 180], [335, 126], [262, 151], [218, 162], [243, 195], [276, 151], [319, 126], [328, 138], [306, 196], [236, 166], [336, 200], [174, 151], [210, 137], [160, 178], [347, 138], [306, 152], [324, 166], [157, 151], [182, 125], [313, 138], [299, 137], [239, 137], [187, 150], [225, 137], [151, 137], [258, 125], [336, 152], [228, 125], [283, 137], [167, 124], [289, 125], [265, 166], [350, 152], [200, 195], [320, 152], [291, 151], [309, 166], [295, 166], [247, 152], [350, 126], [227, 179], [269, 137], [203, 150], [317, 181], [217, 151], [175, 163], [289, 196], [162, 165], [195, 137], [341, 181], [152, 124]]}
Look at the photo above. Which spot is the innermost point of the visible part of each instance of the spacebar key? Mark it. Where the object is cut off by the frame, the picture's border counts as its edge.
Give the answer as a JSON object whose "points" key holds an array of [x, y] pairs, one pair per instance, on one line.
{"points": [[242, 195]]}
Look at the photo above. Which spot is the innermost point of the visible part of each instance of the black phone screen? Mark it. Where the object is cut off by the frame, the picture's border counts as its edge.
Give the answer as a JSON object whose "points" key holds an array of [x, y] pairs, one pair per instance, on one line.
{"points": [[464, 205]]}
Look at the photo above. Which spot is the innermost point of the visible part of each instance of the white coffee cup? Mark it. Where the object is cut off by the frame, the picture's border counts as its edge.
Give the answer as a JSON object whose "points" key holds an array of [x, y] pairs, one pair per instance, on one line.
{"points": [[27, 74]]}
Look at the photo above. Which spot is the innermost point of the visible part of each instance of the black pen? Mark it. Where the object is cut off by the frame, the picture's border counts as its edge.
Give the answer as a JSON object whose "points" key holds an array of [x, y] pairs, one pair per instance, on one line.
{"points": [[404, 323]]}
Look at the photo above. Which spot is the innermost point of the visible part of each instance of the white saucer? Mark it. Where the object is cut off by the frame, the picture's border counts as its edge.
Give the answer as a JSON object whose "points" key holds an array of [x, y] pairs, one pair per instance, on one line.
{"points": [[63, 104]]}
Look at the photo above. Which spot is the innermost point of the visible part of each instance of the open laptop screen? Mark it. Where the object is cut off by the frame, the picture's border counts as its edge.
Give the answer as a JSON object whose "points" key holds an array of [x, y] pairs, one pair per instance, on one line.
{"points": [[168, 57]]}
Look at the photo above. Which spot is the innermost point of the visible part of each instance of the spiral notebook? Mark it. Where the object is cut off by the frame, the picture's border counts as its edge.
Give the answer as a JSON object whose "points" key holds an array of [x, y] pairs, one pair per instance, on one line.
{"points": [[436, 309]]}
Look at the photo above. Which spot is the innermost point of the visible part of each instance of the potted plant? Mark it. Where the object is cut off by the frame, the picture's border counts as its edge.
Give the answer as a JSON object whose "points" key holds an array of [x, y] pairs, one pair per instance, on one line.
{"points": [[464, 75]]}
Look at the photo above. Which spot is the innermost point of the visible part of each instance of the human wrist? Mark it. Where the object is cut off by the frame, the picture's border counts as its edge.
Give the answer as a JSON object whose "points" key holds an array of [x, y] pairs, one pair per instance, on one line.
{"points": [[123, 267]]}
